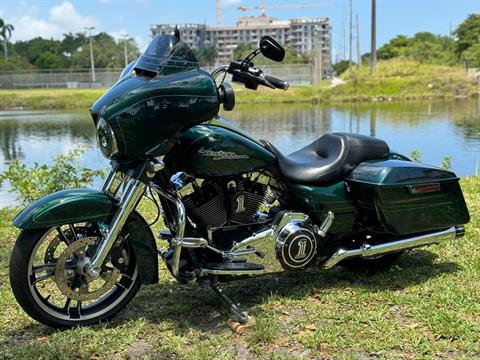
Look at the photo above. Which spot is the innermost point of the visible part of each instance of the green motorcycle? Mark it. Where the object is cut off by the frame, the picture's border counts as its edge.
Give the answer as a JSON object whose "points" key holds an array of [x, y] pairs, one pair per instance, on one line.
{"points": [[234, 206]]}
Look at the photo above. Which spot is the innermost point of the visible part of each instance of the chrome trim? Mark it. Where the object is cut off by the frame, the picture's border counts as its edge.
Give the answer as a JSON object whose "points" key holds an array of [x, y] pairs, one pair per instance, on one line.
{"points": [[180, 225], [325, 226], [154, 166], [190, 243], [128, 201], [103, 125], [265, 244], [107, 184], [367, 250], [204, 272], [252, 240]]}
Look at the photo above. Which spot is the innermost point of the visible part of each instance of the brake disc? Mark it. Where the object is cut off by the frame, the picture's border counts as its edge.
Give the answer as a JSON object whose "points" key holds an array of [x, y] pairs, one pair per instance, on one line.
{"points": [[68, 274], [49, 257]]}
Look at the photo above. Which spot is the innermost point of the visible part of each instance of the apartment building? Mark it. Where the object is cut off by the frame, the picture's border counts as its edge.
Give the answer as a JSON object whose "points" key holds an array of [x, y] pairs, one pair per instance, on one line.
{"points": [[302, 35]]}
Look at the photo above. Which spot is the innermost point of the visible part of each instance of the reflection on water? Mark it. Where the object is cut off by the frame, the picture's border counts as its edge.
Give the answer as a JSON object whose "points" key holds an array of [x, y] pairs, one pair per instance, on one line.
{"points": [[436, 129]]}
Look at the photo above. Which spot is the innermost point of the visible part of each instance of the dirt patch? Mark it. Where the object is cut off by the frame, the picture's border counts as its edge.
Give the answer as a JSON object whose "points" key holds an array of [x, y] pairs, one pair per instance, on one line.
{"points": [[138, 350]]}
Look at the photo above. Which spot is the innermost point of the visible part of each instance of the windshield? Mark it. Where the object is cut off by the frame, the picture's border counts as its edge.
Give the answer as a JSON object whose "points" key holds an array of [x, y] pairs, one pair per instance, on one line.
{"points": [[166, 55]]}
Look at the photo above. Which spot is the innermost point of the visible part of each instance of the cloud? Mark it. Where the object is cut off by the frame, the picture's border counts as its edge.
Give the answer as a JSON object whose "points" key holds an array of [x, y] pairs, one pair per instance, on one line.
{"points": [[62, 18], [231, 2], [67, 16], [27, 27], [142, 41]]}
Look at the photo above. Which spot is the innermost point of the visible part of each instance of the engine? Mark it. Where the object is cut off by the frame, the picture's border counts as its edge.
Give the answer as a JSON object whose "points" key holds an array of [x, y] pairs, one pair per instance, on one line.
{"points": [[218, 204], [226, 212]]}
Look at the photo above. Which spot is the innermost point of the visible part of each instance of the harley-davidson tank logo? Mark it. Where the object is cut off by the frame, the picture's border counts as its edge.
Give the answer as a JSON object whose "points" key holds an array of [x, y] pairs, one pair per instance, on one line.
{"points": [[223, 155]]}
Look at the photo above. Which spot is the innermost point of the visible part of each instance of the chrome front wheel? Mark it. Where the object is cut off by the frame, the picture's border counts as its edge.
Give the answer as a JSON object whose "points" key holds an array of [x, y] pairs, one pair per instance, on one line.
{"points": [[48, 280]]}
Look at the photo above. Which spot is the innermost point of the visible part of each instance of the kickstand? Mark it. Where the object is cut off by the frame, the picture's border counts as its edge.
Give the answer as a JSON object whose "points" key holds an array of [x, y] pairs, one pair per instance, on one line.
{"points": [[238, 316]]}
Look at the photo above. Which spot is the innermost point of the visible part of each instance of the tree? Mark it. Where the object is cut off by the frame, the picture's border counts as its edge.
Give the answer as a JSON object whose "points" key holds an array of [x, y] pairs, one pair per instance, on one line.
{"points": [[341, 66], [243, 49], [48, 60], [467, 33], [394, 47], [32, 49], [473, 55], [15, 62], [423, 47], [5, 34], [71, 42], [207, 55], [107, 52]]}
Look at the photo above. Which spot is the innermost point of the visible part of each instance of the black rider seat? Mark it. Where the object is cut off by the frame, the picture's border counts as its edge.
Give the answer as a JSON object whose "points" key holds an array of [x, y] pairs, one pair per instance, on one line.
{"points": [[329, 158]]}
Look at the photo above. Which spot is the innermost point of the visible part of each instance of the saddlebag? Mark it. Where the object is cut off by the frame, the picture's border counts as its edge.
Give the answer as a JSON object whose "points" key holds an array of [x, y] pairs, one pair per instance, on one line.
{"points": [[404, 197]]}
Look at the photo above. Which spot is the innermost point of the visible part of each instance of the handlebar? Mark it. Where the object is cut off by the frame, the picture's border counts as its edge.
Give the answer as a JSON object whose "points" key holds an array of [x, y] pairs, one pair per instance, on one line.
{"points": [[278, 83], [251, 77]]}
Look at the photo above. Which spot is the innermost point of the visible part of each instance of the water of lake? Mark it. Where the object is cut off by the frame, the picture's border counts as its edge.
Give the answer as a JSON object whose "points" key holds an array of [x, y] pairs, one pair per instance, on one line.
{"points": [[435, 129]]}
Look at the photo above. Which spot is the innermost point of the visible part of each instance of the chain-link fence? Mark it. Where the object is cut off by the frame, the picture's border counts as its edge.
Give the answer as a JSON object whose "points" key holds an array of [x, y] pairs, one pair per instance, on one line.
{"points": [[295, 74]]}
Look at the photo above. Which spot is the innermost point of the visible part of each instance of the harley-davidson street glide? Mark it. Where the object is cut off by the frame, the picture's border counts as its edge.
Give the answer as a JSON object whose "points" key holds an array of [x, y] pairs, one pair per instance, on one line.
{"points": [[234, 206]]}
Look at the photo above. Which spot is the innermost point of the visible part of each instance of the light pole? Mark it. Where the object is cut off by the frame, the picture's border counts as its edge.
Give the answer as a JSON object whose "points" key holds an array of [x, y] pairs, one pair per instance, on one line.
{"points": [[92, 62], [125, 38], [373, 48], [351, 35]]}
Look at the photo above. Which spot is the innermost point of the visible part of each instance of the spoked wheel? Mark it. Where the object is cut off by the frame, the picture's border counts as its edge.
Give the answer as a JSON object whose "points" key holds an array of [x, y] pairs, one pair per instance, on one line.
{"points": [[46, 275]]}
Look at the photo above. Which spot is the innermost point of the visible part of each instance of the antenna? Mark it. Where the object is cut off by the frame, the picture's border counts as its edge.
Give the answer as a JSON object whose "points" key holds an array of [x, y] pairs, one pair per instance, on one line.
{"points": [[219, 13]]}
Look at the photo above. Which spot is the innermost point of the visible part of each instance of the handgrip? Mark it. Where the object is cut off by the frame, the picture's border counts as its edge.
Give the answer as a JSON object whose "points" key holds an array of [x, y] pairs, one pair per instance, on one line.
{"points": [[279, 84]]}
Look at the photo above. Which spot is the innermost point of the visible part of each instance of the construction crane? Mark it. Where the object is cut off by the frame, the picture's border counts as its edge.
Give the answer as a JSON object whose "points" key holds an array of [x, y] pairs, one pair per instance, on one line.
{"points": [[219, 12], [263, 7]]}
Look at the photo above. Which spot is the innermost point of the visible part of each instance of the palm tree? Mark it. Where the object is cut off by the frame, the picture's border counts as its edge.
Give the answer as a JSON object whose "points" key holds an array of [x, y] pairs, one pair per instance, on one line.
{"points": [[5, 34]]}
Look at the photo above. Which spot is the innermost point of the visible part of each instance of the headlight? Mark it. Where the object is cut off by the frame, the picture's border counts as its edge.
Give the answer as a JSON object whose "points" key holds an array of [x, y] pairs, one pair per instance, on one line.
{"points": [[106, 139]]}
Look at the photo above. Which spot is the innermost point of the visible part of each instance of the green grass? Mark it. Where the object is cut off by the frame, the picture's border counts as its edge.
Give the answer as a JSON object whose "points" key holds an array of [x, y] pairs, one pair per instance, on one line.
{"points": [[394, 80], [405, 79], [426, 307]]}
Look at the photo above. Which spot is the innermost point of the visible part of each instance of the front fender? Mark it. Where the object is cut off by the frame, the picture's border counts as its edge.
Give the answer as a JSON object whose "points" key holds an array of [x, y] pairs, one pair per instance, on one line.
{"points": [[67, 206], [81, 205]]}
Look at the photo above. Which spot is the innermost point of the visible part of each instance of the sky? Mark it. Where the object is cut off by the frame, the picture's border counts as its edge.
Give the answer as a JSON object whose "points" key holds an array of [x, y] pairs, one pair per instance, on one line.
{"points": [[52, 18]]}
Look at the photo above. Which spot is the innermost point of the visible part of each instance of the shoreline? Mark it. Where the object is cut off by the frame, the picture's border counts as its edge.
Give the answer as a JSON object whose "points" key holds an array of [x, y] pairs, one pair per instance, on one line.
{"points": [[395, 80], [78, 99]]}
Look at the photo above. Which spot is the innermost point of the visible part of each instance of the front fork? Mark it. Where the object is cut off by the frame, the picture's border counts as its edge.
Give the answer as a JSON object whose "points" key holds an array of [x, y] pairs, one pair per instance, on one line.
{"points": [[129, 199], [131, 194]]}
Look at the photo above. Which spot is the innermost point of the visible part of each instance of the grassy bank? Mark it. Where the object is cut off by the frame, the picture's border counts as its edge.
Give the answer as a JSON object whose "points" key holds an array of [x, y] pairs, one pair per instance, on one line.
{"points": [[426, 307], [394, 80]]}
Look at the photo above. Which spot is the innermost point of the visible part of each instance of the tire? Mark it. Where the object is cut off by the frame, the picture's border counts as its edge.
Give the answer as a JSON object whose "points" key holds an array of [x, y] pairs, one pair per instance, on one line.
{"points": [[30, 299], [379, 264]]}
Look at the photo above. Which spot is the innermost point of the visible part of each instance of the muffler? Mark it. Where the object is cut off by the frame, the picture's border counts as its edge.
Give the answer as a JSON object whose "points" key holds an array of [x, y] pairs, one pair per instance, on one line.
{"points": [[371, 251]]}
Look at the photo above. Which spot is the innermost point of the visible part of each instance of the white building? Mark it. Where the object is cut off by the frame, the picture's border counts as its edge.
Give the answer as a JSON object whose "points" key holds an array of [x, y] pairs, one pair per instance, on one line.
{"points": [[302, 36]]}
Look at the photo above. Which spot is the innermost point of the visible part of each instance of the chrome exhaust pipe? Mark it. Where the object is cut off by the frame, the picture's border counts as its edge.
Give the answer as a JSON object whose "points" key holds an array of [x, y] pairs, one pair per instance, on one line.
{"points": [[367, 250]]}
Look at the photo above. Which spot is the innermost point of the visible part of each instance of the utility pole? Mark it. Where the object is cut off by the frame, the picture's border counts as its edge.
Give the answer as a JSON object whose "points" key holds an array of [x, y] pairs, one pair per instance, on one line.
{"points": [[318, 61], [359, 57], [350, 43], [373, 46], [125, 38], [92, 62]]}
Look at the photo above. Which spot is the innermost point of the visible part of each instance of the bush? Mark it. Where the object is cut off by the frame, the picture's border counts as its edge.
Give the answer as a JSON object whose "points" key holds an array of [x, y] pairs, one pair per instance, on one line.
{"points": [[41, 180]]}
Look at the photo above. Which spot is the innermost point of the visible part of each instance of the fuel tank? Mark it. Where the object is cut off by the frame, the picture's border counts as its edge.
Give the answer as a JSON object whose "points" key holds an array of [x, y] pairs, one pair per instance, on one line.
{"points": [[218, 148]]}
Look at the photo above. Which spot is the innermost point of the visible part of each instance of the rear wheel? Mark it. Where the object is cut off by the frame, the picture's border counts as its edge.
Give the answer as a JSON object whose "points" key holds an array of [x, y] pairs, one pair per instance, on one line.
{"points": [[46, 276], [380, 263]]}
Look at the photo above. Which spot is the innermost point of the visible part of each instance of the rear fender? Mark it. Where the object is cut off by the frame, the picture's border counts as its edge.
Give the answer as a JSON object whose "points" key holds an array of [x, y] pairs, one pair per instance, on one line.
{"points": [[82, 205]]}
